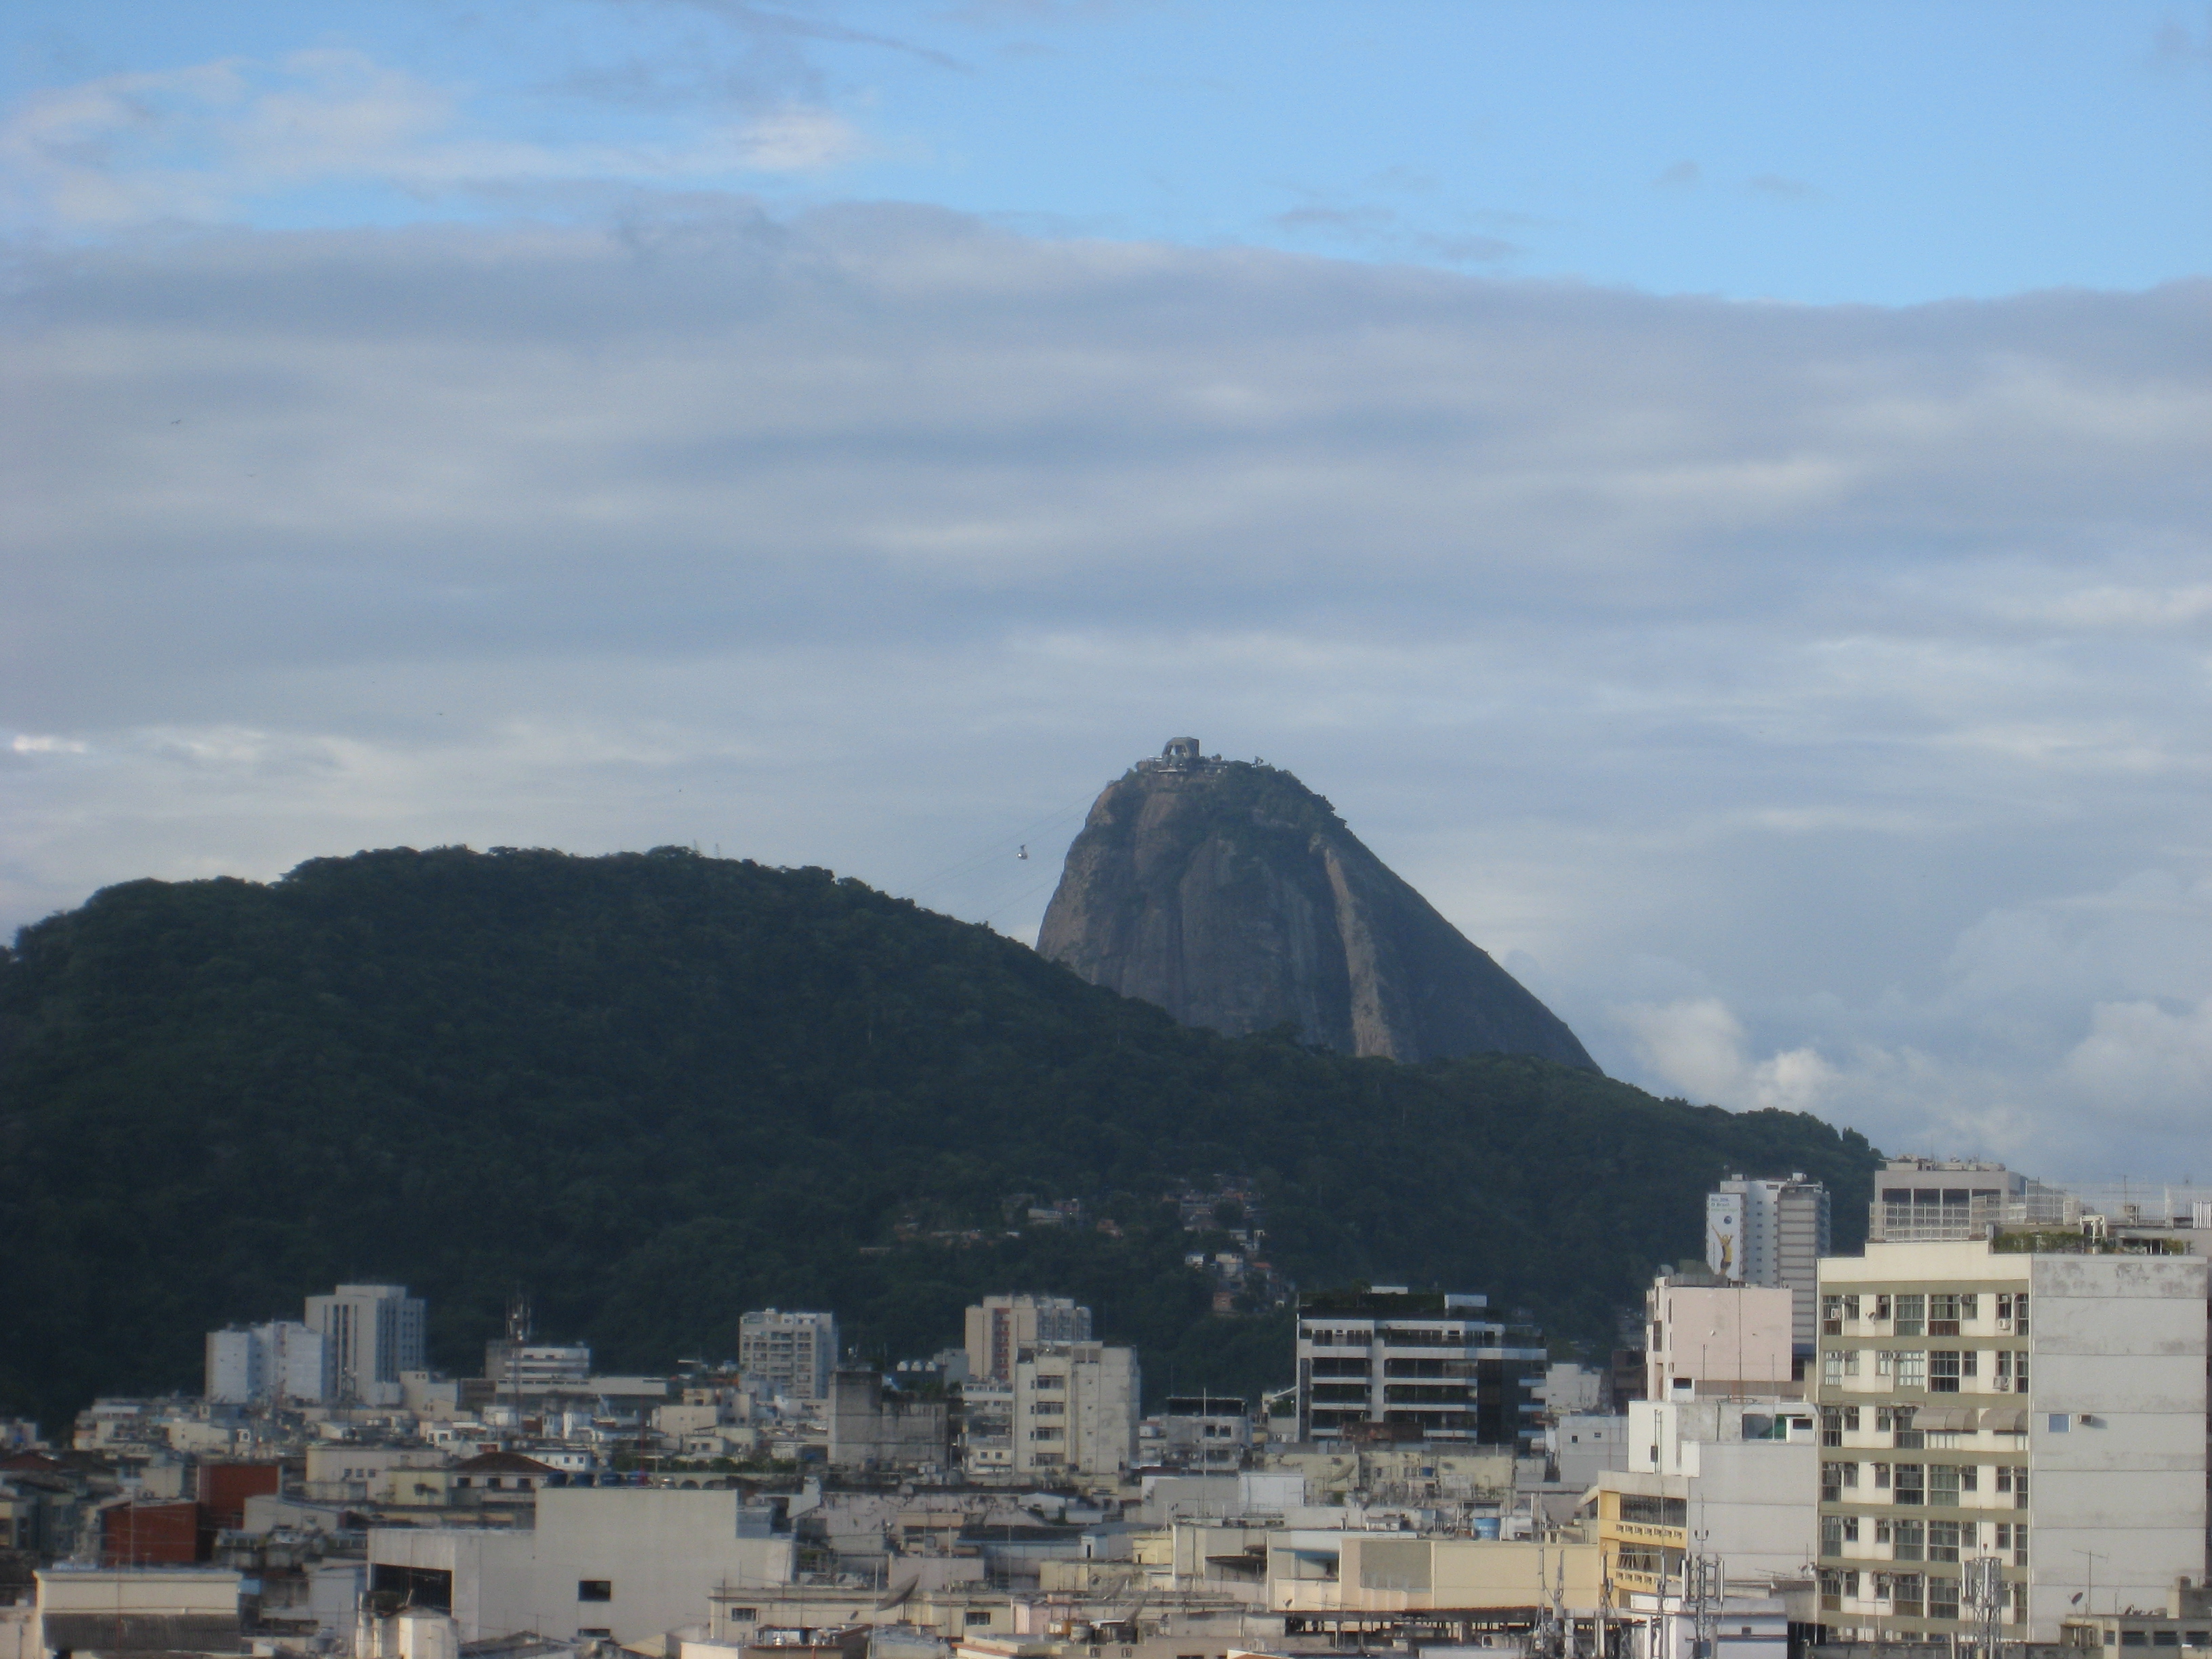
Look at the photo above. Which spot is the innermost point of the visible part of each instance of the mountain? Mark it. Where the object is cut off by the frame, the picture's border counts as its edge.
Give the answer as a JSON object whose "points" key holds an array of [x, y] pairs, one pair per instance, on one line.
{"points": [[1233, 896], [654, 1090]]}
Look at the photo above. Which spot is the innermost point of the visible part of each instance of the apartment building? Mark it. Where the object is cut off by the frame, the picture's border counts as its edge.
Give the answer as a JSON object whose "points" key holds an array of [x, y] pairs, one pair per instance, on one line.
{"points": [[374, 1332], [280, 1362], [1075, 1409], [1771, 1232], [792, 1354], [1928, 1200], [1002, 1326], [2036, 1399], [1426, 1363]]}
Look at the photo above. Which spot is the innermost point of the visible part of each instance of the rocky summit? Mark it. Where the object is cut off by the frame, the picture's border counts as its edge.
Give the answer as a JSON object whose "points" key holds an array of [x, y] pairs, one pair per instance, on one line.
{"points": [[1233, 896]]}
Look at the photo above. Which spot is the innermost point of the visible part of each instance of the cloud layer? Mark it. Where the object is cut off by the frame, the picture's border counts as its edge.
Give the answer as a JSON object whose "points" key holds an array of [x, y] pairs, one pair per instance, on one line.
{"points": [[1808, 702]]}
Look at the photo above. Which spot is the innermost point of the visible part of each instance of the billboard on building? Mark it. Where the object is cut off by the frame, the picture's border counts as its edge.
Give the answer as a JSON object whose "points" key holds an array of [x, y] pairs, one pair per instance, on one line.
{"points": [[1724, 1234]]}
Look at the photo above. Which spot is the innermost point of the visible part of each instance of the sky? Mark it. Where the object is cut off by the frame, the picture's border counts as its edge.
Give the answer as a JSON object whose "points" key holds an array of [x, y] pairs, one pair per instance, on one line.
{"points": [[1714, 495]]}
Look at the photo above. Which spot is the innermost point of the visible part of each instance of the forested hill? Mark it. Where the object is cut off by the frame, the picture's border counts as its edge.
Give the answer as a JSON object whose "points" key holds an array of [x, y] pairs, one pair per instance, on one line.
{"points": [[656, 1090]]}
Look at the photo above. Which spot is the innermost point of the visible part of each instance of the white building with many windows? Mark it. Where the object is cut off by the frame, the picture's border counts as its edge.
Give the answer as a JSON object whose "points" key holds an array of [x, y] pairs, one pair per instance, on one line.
{"points": [[2036, 1398], [792, 1354], [1075, 1409]]}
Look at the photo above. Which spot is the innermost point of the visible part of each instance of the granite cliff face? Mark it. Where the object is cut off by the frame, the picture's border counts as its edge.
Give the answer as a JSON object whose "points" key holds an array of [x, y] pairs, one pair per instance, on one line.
{"points": [[1233, 896]]}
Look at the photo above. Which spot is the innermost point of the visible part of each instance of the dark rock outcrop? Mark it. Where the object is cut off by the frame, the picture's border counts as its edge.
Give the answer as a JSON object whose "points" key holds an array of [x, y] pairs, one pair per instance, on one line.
{"points": [[1233, 896]]}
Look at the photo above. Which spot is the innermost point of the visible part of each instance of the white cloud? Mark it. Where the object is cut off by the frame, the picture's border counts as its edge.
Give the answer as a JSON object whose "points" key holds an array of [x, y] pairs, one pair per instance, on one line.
{"points": [[1698, 1048], [201, 142]]}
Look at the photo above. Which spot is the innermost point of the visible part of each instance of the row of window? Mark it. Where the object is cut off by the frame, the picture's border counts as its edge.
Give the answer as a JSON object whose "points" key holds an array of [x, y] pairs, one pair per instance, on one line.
{"points": [[1837, 1421], [1939, 1371], [1938, 1313], [1941, 1485], [1909, 1594], [1925, 1540], [1494, 1369]]}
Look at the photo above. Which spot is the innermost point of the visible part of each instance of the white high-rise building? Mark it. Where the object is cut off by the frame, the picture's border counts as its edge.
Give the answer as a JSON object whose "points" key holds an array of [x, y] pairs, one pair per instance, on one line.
{"points": [[278, 1363], [1075, 1409], [373, 1332], [793, 1353], [1002, 1326], [2034, 1401], [1771, 1232]]}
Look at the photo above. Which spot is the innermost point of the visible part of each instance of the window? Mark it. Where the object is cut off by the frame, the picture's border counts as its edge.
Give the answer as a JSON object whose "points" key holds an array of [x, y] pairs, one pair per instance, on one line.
{"points": [[1943, 1541], [1942, 1598], [1654, 1511], [2019, 1315], [1832, 1534], [1943, 1370], [1908, 1541], [1832, 1315], [1881, 1307], [1942, 1315], [1851, 1475], [595, 1589], [1832, 1483], [1943, 1484], [1851, 1419], [1832, 1366], [979, 1615], [2001, 1378], [1912, 1315], [2020, 1372], [1851, 1528], [1883, 1531], [1907, 1590], [1851, 1307], [1970, 1362], [1881, 1477], [1912, 1370], [1045, 1382], [1884, 1363], [2060, 1423], [2004, 1311], [1911, 1484], [1831, 1426], [1970, 1306]]}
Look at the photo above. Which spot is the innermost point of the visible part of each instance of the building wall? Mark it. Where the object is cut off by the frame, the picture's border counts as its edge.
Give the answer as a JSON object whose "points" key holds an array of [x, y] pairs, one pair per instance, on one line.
{"points": [[1734, 1339], [1075, 1408], [233, 1378], [871, 1429], [661, 1554], [2109, 1431]]}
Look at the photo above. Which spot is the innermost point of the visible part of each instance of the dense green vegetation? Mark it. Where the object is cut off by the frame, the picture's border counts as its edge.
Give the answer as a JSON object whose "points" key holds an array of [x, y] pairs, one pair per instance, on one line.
{"points": [[655, 1090]]}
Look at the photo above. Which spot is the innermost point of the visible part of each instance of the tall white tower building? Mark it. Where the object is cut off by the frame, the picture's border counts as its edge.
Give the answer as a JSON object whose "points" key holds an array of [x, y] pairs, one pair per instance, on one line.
{"points": [[373, 1332], [1771, 1232]]}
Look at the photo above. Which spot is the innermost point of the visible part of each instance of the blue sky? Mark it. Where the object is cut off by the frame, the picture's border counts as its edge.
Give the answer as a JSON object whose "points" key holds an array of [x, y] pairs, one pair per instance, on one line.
{"points": [[1716, 494], [1879, 153]]}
